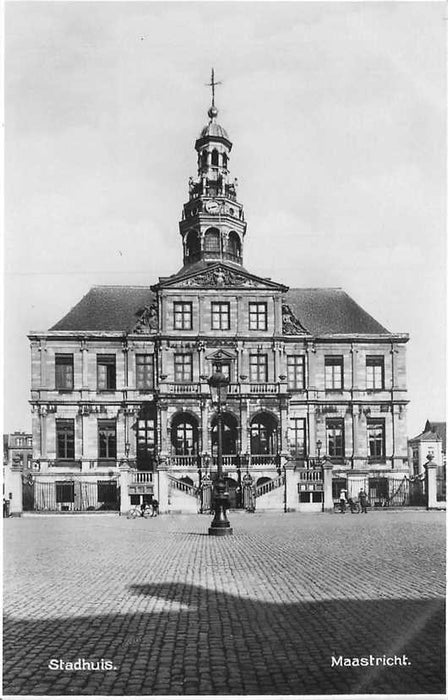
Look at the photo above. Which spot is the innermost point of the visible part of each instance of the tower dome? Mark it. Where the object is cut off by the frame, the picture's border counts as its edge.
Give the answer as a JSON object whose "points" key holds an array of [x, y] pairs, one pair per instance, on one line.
{"points": [[214, 130]]}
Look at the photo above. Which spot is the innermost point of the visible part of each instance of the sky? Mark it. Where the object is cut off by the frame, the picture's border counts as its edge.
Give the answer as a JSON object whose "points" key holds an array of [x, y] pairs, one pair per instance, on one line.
{"points": [[337, 115]]}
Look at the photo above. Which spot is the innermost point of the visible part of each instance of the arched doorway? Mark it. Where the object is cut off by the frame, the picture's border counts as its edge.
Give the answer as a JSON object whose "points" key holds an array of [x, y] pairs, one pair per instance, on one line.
{"points": [[263, 434], [229, 435], [184, 434], [234, 491]]}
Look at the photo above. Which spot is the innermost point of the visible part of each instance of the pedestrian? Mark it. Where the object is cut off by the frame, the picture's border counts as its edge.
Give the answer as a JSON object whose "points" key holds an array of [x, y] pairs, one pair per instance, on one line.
{"points": [[155, 507], [362, 497], [343, 500]]}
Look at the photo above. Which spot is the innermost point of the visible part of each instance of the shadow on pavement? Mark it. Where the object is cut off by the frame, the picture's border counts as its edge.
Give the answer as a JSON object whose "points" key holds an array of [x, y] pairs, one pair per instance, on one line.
{"points": [[193, 640]]}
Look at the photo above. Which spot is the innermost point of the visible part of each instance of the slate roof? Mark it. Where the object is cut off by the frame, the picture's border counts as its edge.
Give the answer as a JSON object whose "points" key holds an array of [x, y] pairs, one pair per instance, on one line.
{"points": [[432, 431], [320, 311], [440, 428], [113, 308], [324, 311]]}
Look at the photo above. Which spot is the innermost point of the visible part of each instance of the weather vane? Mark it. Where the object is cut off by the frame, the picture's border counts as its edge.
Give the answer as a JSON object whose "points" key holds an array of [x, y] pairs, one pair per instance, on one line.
{"points": [[212, 84]]}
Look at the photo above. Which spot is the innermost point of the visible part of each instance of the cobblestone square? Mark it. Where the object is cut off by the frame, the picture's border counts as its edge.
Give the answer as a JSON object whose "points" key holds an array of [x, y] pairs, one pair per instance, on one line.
{"points": [[176, 612]]}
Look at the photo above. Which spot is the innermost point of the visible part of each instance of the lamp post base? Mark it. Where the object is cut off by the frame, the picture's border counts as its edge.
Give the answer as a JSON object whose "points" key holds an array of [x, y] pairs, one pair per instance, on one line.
{"points": [[220, 525], [220, 531]]}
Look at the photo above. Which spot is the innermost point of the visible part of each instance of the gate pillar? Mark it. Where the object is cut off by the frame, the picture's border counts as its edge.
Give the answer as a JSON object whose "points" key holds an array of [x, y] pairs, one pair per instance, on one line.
{"points": [[13, 489], [327, 468], [163, 487], [431, 483], [290, 488], [125, 501]]}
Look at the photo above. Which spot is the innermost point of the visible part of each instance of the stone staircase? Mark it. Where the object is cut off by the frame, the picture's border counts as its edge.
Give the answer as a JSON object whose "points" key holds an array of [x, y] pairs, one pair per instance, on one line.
{"points": [[270, 495], [181, 496]]}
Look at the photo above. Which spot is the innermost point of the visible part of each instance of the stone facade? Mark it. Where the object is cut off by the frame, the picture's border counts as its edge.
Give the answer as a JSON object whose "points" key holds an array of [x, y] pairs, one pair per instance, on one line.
{"points": [[119, 392]]}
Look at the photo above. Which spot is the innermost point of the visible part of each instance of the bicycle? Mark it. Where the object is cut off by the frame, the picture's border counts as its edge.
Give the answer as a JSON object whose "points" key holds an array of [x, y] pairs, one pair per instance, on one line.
{"points": [[136, 512], [353, 505]]}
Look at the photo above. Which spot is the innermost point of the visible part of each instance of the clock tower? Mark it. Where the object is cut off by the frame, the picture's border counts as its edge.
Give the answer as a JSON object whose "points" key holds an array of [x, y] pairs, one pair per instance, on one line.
{"points": [[213, 226]]}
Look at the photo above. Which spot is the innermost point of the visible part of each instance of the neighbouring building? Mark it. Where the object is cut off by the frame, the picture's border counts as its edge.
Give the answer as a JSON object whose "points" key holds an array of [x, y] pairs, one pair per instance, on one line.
{"points": [[120, 399], [17, 468], [430, 443]]}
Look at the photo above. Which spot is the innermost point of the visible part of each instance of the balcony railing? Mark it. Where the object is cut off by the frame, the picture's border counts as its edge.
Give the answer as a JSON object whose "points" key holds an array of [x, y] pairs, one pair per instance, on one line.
{"points": [[182, 461], [233, 389], [142, 477], [310, 475], [184, 388], [227, 460], [262, 460], [264, 388]]}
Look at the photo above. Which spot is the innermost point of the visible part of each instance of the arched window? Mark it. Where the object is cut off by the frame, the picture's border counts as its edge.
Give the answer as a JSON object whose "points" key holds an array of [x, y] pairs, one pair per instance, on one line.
{"points": [[184, 434], [211, 243], [204, 159], [193, 248], [215, 157], [229, 435], [224, 160], [234, 245], [263, 435]]}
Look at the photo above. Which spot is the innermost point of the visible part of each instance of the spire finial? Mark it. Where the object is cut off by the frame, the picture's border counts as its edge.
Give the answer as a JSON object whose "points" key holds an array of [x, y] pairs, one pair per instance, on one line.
{"points": [[213, 112]]}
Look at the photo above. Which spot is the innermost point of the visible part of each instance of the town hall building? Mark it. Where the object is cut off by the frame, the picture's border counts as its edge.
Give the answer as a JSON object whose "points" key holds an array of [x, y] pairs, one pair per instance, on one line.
{"points": [[120, 396]]}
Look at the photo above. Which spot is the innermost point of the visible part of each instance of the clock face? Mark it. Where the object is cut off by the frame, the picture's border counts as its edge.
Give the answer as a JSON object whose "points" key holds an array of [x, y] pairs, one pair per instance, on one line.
{"points": [[212, 207]]}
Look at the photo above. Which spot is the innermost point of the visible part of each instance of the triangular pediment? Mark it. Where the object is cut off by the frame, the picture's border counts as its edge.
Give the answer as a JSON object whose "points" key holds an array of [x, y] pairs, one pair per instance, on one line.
{"points": [[220, 355], [219, 276]]}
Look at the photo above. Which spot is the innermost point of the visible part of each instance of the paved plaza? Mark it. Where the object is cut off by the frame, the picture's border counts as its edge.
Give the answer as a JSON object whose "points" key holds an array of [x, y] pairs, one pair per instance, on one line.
{"points": [[174, 611]]}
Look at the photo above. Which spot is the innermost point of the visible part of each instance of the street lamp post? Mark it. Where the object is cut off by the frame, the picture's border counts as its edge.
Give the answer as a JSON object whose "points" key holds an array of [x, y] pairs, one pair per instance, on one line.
{"points": [[218, 384]]}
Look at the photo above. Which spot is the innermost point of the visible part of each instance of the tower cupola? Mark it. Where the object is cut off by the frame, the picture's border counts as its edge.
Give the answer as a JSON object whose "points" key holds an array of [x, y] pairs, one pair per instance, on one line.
{"points": [[213, 226]]}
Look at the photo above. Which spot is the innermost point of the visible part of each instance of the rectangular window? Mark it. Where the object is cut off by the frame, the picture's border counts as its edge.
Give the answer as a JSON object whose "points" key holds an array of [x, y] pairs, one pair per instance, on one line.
{"points": [[146, 443], [258, 316], [144, 370], [183, 315], [376, 439], [297, 439], [335, 437], [107, 439], [65, 439], [296, 371], [65, 492], [106, 372], [220, 316], [375, 372], [64, 372], [334, 372], [183, 367], [258, 368]]}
